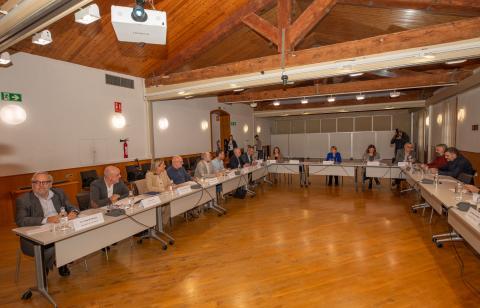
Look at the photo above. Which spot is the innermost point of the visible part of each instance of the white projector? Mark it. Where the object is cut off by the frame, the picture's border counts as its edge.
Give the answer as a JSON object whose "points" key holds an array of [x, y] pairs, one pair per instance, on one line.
{"points": [[152, 31]]}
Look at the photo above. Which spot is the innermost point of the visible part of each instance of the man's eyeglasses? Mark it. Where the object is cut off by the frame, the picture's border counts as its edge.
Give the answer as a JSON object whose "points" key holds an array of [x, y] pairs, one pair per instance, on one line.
{"points": [[41, 182]]}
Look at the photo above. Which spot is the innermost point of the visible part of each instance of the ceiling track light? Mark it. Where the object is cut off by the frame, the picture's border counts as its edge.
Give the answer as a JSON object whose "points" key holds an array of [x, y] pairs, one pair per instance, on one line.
{"points": [[239, 90], [5, 58], [88, 14], [253, 105], [427, 55], [276, 103], [331, 99], [360, 97], [304, 101], [459, 61], [394, 94], [356, 74], [42, 38]]}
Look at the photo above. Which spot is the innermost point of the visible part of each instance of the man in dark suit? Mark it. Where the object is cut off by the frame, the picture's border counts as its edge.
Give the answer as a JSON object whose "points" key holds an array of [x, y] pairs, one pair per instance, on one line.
{"points": [[108, 189], [40, 206], [457, 165], [247, 158], [235, 160]]}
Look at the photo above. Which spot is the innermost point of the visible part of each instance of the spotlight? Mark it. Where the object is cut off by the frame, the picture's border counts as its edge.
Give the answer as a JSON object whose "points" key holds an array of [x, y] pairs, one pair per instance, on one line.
{"points": [[253, 105], [138, 12], [394, 94], [5, 58], [331, 99], [276, 103], [238, 90], [360, 97], [355, 74], [88, 15], [42, 38], [284, 79], [304, 101], [459, 61]]}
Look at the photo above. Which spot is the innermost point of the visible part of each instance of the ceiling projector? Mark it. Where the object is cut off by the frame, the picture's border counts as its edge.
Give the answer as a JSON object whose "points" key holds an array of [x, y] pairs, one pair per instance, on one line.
{"points": [[139, 25]]}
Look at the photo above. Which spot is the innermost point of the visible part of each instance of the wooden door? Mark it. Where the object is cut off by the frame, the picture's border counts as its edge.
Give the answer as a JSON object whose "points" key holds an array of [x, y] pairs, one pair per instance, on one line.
{"points": [[224, 127]]}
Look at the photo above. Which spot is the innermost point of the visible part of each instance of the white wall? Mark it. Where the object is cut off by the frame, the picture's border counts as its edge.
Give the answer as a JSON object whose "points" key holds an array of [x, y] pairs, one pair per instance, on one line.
{"points": [[69, 109], [265, 127], [184, 134], [467, 139]]}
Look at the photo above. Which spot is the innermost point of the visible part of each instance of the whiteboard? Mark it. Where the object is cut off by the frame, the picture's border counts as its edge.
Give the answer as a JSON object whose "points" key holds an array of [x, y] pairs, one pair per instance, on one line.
{"points": [[281, 141], [297, 145], [343, 142], [361, 140], [383, 145], [316, 145]]}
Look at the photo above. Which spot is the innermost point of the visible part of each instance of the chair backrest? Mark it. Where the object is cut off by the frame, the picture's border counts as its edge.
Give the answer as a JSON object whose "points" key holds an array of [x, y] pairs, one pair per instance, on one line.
{"points": [[146, 167], [140, 186], [88, 177], [83, 199], [134, 173]]}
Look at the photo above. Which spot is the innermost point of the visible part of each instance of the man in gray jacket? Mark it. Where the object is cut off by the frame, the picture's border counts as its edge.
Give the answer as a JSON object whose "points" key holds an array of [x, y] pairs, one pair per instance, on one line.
{"points": [[109, 189], [204, 167], [40, 206]]}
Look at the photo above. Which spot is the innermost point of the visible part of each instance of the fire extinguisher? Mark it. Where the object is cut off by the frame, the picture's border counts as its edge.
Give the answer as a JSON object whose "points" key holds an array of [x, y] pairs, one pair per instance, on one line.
{"points": [[125, 147]]}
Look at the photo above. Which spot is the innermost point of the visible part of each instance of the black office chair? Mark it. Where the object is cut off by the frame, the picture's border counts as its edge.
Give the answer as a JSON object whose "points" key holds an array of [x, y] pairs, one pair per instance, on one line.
{"points": [[83, 199], [146, 167], [88, 177], [134, 173]]}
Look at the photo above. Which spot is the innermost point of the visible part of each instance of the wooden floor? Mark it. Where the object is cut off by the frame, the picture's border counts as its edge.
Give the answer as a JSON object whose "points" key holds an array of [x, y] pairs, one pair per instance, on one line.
{"points": [[288, 247]]}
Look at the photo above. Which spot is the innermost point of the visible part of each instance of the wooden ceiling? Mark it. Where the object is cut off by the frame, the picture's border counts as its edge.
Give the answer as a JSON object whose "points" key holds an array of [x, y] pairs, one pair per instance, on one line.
{"points": [[189, 21]]}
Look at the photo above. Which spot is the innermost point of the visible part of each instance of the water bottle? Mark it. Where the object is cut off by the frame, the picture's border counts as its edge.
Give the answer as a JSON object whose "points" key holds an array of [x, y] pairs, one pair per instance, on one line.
{"points": [[435, 178], [459, 191], [130, 199], [63, 219]]}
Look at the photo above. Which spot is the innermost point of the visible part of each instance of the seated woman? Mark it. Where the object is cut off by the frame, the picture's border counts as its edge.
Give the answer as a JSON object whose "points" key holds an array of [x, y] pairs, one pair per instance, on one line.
{"points": [[277, 155], [157, 178], [370, 154], [334, 156]]}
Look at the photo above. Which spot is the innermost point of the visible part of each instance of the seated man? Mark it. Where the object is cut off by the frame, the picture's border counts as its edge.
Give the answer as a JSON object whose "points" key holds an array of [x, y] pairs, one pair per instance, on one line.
{"points": [[109, 189], [440, 160], [247, 158], [235, 160], [405, 155], [204, 167], [40, 206], [456, 165], [217, 163], [177, 173]]}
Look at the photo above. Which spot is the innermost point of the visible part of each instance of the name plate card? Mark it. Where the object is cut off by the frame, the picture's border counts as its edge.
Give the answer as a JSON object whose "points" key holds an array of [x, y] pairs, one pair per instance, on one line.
{"points": [[231, 175], [183, 190], [271, 161], [402, 163], [293, 161], [373, 163], [149, 202], [473, 216], [87, 221], [212, 181], [328, 162]]}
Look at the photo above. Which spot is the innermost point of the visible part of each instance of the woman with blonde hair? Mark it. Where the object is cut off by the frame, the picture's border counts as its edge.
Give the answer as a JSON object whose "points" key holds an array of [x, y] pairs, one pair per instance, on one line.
{"points": [[157, 178]]}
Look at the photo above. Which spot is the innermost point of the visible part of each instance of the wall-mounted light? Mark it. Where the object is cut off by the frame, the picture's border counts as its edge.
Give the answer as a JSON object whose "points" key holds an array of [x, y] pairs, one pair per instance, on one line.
{"points": [[461, 114], [360, 97], [13, 114], [5, 58], [88, 14], [163, 123], [42, 38], [245, 128], [259, 129], [118, 121], [439, 119], [204, 125], [427, 121]]}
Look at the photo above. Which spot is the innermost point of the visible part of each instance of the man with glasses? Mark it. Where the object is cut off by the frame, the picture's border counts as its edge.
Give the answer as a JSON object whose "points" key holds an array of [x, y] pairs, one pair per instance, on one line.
{"points": [[108, 190], [176, 172], [40, 206]]}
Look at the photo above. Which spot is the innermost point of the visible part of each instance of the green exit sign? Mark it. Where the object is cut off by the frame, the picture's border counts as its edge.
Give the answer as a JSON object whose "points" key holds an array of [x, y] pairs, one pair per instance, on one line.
{"points": [[233, 123], [12, 97]]}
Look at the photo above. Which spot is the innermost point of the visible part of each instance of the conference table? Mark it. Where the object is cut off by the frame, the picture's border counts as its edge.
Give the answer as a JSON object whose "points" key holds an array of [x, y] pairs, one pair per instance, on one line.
{"points": [[306, 169], [99, 230]]}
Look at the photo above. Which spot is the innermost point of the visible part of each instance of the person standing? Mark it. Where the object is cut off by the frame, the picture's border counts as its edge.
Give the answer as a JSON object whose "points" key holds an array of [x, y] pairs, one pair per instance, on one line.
{"points": [[258, 147], [231, 145], [399, 140]]}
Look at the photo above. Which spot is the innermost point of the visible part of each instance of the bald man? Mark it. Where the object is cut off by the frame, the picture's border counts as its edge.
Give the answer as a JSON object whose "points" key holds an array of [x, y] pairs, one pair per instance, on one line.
{"points": [[176, 172], [109, 189]]}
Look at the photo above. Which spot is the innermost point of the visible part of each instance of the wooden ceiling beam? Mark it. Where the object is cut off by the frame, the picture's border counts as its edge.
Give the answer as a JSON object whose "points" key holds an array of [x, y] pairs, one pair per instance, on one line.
{"points": [[456, 7], [403, 82], [308, 19], [425, 36], [215, 35], [262, 27], [266, 106]]}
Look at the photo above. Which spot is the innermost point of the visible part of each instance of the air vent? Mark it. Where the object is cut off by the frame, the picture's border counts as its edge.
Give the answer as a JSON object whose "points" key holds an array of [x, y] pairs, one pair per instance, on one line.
{"points": [[119, 81]]}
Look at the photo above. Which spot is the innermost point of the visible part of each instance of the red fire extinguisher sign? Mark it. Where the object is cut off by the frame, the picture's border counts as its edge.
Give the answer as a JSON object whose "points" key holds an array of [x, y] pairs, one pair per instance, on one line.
{"points": [[118, 107]]}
